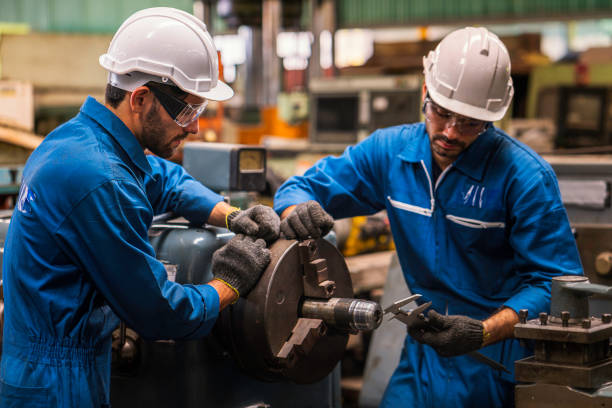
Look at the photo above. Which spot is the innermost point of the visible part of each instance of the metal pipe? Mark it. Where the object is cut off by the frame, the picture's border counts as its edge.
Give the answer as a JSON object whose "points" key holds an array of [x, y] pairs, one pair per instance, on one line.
{"points": [[344, 313]]}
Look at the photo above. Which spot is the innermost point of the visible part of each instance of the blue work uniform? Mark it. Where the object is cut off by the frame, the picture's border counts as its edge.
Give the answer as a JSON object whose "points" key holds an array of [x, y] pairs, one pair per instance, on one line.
{"points": [[491, 231], [77, 259]]}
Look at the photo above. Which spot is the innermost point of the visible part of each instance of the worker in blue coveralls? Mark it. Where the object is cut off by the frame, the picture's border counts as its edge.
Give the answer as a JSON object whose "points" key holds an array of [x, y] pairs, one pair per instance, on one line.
{"points": [[77, 258], [476, 217]]}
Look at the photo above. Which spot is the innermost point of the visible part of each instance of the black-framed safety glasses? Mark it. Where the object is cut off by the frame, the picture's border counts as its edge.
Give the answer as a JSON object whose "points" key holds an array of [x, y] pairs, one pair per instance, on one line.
{"points": [[181, 112], [443, 118]]}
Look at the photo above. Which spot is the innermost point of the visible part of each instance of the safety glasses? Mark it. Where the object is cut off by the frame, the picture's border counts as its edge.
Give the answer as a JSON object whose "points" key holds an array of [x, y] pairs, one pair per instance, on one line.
{"points": [[443, 118], [182, 112]]}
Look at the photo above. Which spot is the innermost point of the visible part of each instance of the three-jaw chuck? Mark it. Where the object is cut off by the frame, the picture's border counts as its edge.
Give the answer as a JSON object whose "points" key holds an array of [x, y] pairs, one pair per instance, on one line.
{"points": [[294, 325]]}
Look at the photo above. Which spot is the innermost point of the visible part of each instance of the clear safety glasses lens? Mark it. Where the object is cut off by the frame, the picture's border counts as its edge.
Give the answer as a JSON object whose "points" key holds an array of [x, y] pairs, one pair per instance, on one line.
{"points": [[182, 112], [441, 117], [190, 113]]}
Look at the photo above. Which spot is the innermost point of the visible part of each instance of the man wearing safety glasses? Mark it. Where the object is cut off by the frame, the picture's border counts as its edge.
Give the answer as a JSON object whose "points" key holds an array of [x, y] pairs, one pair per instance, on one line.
{"points": [[476, 217], [77, 256]]}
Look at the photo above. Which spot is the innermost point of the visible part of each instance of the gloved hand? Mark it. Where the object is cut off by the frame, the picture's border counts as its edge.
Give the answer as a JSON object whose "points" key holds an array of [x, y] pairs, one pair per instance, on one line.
{"points": [[258, 221], [240, 263], [448, 335], [307, 220]]}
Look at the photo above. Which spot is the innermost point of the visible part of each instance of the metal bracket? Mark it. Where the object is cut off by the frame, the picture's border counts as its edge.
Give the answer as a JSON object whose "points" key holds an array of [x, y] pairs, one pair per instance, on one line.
{"points": [[316, 276], [304, 335]]}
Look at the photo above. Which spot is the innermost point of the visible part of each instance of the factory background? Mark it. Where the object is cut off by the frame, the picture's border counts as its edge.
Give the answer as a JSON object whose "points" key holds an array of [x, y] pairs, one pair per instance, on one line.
{"points": [[312, 77]]}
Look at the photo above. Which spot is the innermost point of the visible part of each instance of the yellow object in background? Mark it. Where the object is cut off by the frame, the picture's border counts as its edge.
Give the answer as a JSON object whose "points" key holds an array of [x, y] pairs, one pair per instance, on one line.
{"points": [[368, 234]]}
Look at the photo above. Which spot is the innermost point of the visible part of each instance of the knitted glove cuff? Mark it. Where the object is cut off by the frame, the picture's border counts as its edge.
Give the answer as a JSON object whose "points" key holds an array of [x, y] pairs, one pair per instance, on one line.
{"points": [[474, 333], [230, 216], [231, 287], [230, 278]]}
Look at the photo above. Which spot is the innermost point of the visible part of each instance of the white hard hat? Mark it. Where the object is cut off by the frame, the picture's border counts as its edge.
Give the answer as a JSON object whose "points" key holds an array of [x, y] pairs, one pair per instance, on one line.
{"points": [[165, 44], [469, 74]]}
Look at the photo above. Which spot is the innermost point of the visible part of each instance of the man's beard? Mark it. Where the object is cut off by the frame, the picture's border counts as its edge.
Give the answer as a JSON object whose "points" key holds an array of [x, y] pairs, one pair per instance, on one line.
{"points": [[443, 152], [154, 134]]}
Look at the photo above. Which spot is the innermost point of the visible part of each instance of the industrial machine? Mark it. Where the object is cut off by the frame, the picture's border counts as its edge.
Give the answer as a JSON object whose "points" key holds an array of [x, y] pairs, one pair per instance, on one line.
{"points": [[577, 98], [585, 184], [345, 110], [572, 365], [280, 346]]}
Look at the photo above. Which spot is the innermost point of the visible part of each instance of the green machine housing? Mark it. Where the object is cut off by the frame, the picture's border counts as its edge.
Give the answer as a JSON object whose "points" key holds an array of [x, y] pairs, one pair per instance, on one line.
{"points": [[226, 167]]}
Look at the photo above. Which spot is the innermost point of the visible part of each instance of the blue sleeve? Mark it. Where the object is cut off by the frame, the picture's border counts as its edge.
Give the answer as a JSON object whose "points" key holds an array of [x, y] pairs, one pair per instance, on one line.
{"points": [[106, 236], [541, 237], [171, 188], [345, 186]]}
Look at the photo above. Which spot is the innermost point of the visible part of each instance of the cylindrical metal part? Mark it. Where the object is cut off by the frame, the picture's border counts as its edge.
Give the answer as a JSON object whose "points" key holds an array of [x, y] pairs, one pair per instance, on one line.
{"points": [[563, 298], [523, 315], [344, 313]]}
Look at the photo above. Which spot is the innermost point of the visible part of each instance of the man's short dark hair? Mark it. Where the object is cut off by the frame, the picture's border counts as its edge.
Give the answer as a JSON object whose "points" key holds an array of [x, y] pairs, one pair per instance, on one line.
{"points": [[114, 96]]}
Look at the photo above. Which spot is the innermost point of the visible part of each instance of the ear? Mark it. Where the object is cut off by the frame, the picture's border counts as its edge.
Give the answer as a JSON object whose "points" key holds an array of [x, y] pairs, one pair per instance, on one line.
{"points": [[424, 92], [139, 98]]}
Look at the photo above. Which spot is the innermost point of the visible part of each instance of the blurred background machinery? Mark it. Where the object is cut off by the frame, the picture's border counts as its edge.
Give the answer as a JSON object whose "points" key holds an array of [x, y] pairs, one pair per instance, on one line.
{"points": [[585, 183], [346, 110]]}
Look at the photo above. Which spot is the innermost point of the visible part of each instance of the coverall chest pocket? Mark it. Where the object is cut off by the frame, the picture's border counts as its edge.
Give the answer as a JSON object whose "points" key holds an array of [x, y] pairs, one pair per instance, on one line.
{"points": [[477, 246], [483, 234], [12, 396]]}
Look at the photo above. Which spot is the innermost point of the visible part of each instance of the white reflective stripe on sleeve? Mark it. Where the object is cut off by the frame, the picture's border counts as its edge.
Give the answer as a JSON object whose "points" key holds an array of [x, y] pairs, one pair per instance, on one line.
{"points": [[468, 222], [408, 207]]}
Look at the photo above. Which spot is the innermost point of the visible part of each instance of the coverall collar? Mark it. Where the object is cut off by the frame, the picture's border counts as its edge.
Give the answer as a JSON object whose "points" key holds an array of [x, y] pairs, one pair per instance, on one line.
{"points": [[472, 162], [117, 129], [417, 148]]}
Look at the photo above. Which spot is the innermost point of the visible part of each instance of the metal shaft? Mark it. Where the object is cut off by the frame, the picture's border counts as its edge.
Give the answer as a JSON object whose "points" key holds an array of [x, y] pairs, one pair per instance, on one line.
{"points": [[344, 313]]}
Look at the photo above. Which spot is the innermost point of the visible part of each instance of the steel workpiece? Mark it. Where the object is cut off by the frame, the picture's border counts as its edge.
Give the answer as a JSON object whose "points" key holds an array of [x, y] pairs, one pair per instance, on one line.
{"points": [[343, 313]]}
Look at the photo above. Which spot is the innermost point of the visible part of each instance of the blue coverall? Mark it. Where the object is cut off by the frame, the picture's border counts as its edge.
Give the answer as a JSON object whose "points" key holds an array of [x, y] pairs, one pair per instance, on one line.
{"points": [[490, 232], [77, 259]]}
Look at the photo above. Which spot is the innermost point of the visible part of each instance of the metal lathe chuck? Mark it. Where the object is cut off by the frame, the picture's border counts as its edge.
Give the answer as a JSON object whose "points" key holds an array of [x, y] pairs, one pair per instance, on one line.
{"points": [[294, 325]]}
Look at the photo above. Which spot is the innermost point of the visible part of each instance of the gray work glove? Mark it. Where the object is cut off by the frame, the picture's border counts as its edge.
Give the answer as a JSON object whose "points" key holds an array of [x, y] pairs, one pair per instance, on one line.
{"points": [[448, 335], [240, 263], [307, 220], [258, 221]]}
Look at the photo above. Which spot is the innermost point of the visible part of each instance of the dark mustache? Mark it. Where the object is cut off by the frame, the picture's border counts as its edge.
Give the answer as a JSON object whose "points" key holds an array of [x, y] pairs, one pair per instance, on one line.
{"points": [[448, 141]]}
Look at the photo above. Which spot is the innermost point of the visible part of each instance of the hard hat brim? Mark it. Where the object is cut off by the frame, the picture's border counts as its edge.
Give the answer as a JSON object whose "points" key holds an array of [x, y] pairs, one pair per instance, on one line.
{"points": [[221, 92], [464, 109]]}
